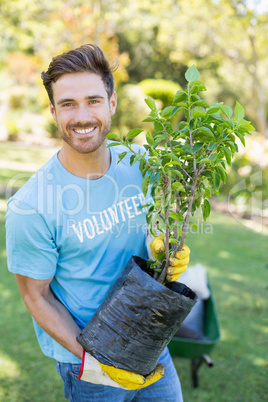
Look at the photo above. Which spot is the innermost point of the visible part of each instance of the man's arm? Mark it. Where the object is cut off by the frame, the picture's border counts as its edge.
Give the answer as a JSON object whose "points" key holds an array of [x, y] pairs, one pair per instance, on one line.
{"points": [[49, 313]]}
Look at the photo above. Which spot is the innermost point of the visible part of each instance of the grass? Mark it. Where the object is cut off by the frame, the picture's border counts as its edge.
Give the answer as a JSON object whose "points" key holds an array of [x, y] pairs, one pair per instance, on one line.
{"points": [[18, 162], [236, 260]]}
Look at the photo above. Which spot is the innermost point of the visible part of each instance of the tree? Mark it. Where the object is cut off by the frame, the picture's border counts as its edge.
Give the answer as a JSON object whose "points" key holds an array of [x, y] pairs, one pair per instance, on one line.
{"points": [[224, 38]]}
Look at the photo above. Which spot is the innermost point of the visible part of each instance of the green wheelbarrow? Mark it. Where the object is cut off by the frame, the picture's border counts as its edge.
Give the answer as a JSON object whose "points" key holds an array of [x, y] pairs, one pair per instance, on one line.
{"points": [[198, 349]]}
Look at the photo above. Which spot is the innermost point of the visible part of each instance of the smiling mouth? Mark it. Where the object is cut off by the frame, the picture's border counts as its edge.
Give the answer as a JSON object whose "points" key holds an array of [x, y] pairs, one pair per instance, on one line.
{"points": [[83, 131]]}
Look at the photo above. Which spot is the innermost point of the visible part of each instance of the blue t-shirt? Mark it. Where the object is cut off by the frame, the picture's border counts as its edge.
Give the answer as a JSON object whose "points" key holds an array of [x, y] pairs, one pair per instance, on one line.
{"points": [[80, 232]]}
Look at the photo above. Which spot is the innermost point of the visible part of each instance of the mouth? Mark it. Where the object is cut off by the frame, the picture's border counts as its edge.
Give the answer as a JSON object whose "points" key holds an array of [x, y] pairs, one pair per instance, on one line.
{"points": [[83, 131]]}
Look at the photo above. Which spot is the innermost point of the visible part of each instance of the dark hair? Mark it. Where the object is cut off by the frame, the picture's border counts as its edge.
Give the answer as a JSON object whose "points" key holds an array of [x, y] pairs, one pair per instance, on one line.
{"points": [[86, 58]]}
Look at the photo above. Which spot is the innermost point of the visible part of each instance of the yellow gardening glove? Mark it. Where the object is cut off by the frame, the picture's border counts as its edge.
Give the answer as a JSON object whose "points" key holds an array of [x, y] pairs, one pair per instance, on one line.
{"points": [[178, 264], [132, 381], [98, 373]]}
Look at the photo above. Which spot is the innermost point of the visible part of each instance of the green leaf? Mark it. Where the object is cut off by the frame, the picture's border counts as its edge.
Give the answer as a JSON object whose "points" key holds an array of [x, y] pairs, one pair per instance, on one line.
{"points": [[149, 120], [158, 127], [192, 74], [207, 174], [216, 180], [149, 138], [194, 89], [222, 172], [228, 155], [239, 112], [137, 157], [195, 98], [227, 111], [231, 145], [157, 142], [201, 102], [187, 148], [112, 136], [151, 104], [176, 109], [203, 160], [177, 216], [193, 225], [180, 96], [176, 174], [178, 186], [201, 86], [207, 132], [214, 109], [213, 158], [145, 184], [172, 240], [133, 133], [212, 146], [113, 144], [121, 156], [206, 208], [245, 126], [144, 206], [167, 112], [198, 112], [241, 137], [161, 256], [217, 117], [198, 146], [172, 163]]}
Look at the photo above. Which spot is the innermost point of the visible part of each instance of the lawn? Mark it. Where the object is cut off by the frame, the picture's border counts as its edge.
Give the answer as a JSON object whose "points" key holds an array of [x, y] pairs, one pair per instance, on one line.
{"points": [[237, 264], [18, 162]]}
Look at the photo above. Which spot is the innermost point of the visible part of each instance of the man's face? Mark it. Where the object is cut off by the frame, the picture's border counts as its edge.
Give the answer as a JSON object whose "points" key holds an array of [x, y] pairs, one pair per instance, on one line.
{"points": [[82, 110]]}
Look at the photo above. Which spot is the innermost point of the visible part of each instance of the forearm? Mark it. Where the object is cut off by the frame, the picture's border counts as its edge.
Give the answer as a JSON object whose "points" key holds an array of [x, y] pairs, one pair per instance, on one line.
{"points": [[55, 319]]}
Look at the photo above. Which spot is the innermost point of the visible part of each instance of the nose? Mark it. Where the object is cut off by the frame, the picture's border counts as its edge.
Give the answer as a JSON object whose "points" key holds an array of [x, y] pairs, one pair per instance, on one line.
{"points": [[83, 114]]}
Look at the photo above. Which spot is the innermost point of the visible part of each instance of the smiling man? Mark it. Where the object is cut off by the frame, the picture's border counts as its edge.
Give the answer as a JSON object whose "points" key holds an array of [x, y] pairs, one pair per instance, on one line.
{"points": [[72, 228]]}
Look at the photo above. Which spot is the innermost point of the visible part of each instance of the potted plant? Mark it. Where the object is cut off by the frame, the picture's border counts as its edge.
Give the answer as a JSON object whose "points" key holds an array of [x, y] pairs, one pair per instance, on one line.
{"points": [[184, 166], [181, 167]]}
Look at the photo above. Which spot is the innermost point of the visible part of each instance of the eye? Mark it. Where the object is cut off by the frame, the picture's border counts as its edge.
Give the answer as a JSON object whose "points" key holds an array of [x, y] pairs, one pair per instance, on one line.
{"points": [[68, 104], [94, 101]]}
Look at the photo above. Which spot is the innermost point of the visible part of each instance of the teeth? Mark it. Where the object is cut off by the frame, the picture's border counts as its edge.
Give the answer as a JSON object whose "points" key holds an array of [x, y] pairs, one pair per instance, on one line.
{"points": [[84, 131]]}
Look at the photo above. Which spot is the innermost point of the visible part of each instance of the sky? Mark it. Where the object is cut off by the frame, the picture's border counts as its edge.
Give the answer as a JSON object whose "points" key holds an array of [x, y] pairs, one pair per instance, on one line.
{"points": [[260, 6]]}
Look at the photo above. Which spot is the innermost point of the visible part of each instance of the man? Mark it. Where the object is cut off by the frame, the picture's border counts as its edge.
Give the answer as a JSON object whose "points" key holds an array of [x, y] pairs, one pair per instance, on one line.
{"points": [[74, 225]]}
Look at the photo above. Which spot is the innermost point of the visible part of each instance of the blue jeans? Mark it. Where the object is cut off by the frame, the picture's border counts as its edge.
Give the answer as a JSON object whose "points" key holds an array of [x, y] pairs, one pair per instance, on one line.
{"points": [[168, 388]]}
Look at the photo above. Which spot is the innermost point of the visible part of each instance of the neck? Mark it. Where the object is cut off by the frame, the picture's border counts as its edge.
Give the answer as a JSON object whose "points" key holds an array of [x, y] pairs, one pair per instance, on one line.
{"points": [[90, 166]]}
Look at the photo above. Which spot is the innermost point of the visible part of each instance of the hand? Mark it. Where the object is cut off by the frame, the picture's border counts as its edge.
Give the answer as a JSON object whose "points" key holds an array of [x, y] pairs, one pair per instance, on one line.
{"points": [[97, 373], [178, 264]]}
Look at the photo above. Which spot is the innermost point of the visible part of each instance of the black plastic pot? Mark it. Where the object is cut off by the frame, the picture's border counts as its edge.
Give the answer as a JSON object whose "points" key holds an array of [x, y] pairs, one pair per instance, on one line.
{"points": [[136, 320]]}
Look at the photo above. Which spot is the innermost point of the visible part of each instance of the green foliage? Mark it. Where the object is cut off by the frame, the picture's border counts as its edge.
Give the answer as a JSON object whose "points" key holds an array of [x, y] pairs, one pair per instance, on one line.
{"points": [[16, 100], [131, 109], [159, 89], [52, 129], [192, 160], [12, 126]]}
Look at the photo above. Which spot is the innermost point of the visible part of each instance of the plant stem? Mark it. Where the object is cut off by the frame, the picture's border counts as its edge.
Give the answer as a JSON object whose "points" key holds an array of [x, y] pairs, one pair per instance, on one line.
{"points": [[163, 274], [185, 225], [190, 133]]}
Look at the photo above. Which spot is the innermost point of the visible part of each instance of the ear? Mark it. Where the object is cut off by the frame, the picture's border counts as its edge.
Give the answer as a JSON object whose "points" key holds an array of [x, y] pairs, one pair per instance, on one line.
{"points": [[52, 110], [113, 103]]}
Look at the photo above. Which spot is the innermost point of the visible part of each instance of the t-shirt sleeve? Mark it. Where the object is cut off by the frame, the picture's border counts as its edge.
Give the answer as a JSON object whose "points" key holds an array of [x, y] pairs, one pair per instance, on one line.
{"points": [[31, 249]]}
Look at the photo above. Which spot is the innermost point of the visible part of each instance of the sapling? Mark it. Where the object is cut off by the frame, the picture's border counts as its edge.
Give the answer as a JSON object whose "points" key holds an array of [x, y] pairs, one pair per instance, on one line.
{"points": [[183, 166]]}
